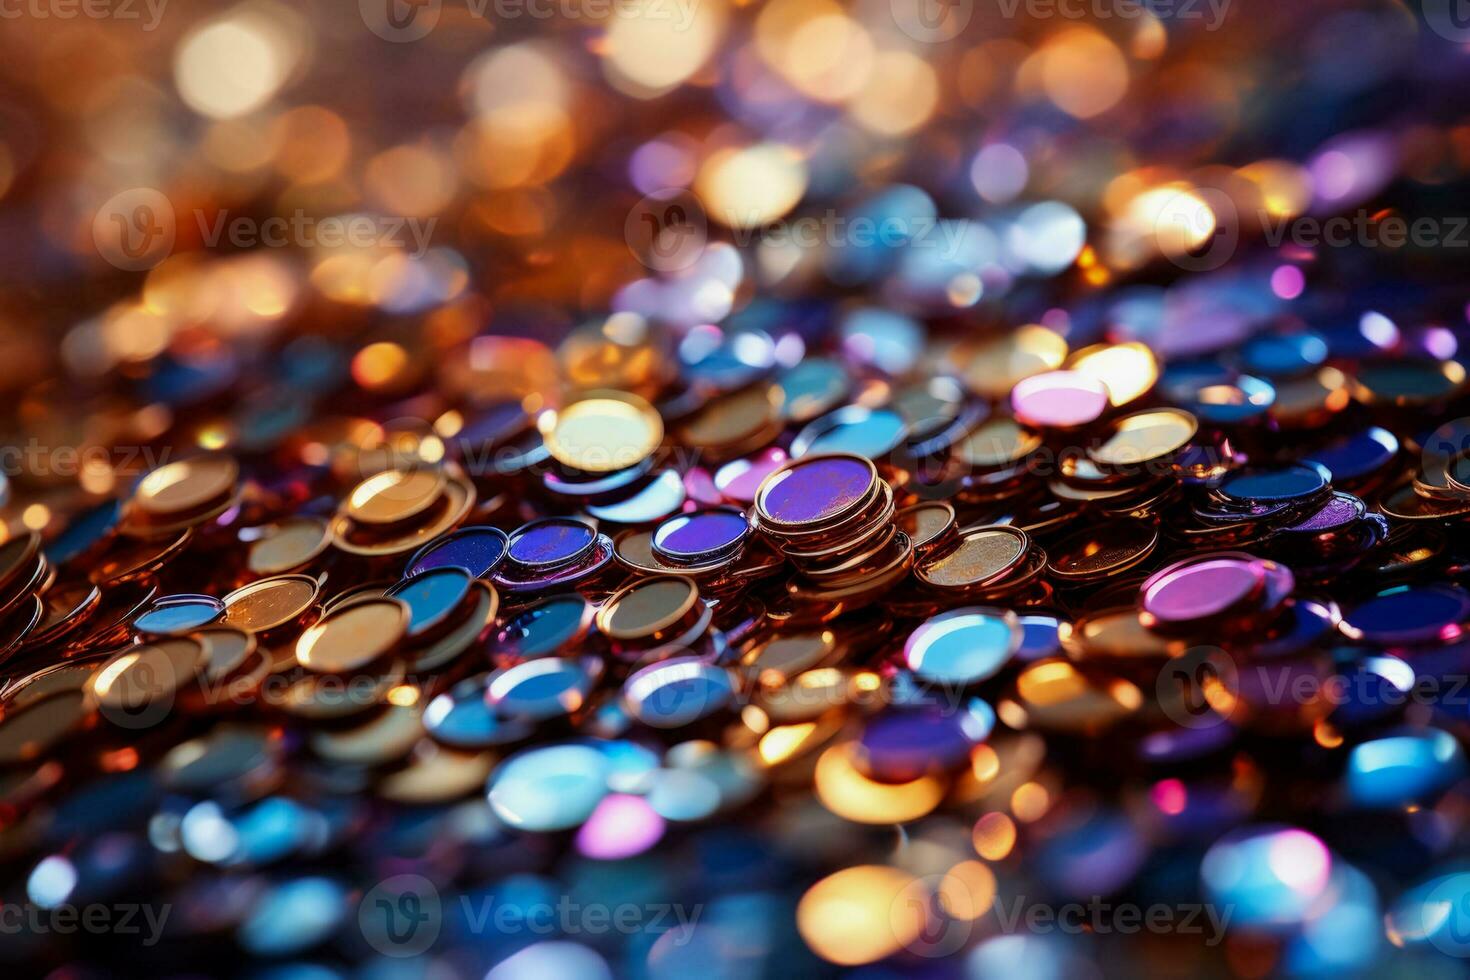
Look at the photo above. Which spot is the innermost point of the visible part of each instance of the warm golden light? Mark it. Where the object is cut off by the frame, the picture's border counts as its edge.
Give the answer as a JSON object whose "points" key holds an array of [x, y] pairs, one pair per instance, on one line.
{"points": [[860, 915]]}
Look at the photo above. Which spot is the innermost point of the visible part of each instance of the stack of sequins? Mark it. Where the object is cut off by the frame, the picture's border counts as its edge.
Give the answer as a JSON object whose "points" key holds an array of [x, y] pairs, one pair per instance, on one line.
{"points": [[1440, 490], [982, 563], [395, 511], [1133, 470], [24, 572], [601, 450], [998, 456], [448, 610], [1213, 594], [553, 554], [658, 618], [700, 543], [711, 545], [181, 495], [832, 516], [1294, 511], [348, 660]]}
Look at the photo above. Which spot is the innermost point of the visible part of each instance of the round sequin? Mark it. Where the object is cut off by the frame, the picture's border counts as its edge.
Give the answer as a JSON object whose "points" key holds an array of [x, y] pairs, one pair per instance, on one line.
{"points": [[603, 432], [870, 432], [1273, 486], [659, 498], [739, 479], [477, 550], [964, 646], [1410, 615], [549, 788], [270, 603], [1145, 436], [353, 636], [903, 744], [1200, 588], [1357, 456], [461, 717], [544, 688], [551, 542], [1059, 399], [185, 486], [432, 596], [677, 692], [646, 607], [981, 555], [701, 536], [175, 614], [395, 495], [815, 490], [545, 627]]}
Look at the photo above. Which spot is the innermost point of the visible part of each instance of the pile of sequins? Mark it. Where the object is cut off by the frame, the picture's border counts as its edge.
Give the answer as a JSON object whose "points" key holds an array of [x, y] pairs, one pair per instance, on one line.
{"points": [[1060, 623]]}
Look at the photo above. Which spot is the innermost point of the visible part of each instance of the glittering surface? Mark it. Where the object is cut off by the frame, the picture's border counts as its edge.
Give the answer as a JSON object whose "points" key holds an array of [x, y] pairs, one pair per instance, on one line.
{"points": [[694, 536], [420, 556], [815, 490], [978, 556], [478, 551], [551, 542]]}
